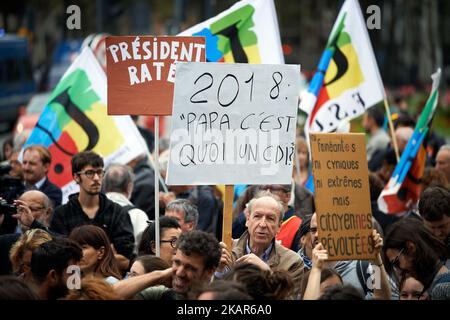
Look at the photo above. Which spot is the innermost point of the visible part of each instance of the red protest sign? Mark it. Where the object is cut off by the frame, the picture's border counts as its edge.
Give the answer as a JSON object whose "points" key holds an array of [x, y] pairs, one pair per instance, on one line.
{"points": [[141, 71]]}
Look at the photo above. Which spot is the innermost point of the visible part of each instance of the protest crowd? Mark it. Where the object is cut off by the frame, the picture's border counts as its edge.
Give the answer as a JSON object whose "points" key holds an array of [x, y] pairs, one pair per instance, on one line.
{"points": [[100, 234]]}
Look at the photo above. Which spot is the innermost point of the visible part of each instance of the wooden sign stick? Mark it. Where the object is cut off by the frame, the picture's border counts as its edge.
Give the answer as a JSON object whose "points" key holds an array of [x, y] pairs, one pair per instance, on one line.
{"points": [[228, 216]]}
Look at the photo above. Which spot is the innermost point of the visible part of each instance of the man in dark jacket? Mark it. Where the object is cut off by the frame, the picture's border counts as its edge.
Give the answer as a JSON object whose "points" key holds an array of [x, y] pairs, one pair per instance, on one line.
{"points": [[92, 207], [36, 163], [143, 195]]}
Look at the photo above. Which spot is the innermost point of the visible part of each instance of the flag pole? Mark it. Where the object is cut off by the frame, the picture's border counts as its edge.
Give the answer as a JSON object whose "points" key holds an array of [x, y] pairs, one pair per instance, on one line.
{"points": [[156, 169], [297, 166], [391, 126]]}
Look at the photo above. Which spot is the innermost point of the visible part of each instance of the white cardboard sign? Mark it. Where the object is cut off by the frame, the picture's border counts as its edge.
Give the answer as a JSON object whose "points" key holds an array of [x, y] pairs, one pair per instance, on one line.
{"points": [[233, 124]]}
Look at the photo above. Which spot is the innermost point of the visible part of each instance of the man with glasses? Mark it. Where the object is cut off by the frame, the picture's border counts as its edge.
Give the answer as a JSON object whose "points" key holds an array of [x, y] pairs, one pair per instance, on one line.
{"points": [[34, 210], [90, 206]]}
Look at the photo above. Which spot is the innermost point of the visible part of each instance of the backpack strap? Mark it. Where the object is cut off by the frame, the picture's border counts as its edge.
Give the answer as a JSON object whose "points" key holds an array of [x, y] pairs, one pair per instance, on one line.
{"points": [[443, 279], [363, 275], [128, 207]]}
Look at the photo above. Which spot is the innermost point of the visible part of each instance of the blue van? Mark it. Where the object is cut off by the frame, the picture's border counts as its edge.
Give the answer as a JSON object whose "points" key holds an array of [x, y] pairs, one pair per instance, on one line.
{"points": [[17, 85], [64, 55]]}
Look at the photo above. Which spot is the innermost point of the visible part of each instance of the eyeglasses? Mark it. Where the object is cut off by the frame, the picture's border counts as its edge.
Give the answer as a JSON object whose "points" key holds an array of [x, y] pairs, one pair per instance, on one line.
{"points": [[91, 173], [173, 242], [37, 209], [32, 209], [396, 262]]}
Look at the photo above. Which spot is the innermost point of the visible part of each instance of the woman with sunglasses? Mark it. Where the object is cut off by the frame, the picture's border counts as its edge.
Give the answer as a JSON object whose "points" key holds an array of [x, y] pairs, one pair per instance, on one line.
{"points": [[410, 249], [169, 231]]}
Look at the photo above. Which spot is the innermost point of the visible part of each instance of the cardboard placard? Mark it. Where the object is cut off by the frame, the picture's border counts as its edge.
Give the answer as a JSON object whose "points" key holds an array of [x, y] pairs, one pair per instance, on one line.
{"points": [[341, 182], [141, 71], [233, 124]]}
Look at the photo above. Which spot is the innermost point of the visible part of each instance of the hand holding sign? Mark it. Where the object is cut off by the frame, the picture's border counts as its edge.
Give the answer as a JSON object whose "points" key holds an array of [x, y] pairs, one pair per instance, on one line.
{"points": [[344, 217], [225, 260], [319, 256], [377, 241]]}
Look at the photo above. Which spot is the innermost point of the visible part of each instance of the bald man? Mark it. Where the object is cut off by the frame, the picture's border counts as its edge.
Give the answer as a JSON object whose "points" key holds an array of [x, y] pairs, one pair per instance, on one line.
{"points": [[34, 210], [403, 135], [257, 245], [443, 161]]}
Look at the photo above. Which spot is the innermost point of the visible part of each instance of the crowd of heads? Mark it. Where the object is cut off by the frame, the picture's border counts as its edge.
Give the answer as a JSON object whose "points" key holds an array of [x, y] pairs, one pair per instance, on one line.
{"points": [[193, 264]]}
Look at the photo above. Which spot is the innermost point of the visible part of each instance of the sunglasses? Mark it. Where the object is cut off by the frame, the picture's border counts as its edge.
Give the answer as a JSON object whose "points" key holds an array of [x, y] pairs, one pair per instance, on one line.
{"points": [[396, 262]]}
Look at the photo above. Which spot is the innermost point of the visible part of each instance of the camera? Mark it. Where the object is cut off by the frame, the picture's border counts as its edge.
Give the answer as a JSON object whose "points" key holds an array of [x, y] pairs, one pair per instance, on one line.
{"points": [[10, 187], [5, 167], [6, 208]]}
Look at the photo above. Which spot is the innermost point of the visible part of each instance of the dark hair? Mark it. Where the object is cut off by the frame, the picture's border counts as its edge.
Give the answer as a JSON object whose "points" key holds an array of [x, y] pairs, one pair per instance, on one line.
{"points": [[376, 185], [13, 288], [203, 244], [262, 284], [55, 255], [152, 263], [429, 249], [190, 210], [245, 197], [434, 203], [222, 290], [404, 120], [117, 178], [305, 226], [276, 187], [377, 115], [148, 235], [341, 292], [433, 177], [327, 273], [7, 142], [390, 157], [96, 237], [85, 158]]}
